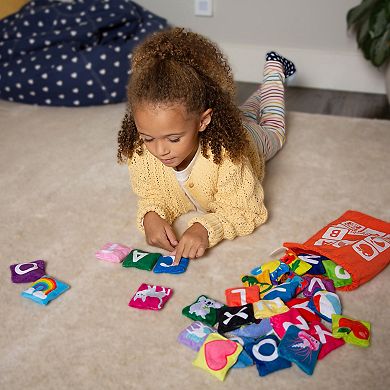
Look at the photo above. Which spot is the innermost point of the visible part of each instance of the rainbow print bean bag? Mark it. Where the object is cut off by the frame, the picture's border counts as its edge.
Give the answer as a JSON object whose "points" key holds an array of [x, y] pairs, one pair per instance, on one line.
{"points": [[45, 290]]}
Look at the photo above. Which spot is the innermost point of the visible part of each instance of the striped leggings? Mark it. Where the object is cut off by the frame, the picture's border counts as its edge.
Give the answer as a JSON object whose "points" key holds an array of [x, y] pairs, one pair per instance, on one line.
{"points": [[263, 112]]}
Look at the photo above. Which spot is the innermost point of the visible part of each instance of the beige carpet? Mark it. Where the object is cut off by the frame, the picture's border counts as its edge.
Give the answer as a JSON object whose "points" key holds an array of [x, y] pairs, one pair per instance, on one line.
{"points": [[63, 196]]}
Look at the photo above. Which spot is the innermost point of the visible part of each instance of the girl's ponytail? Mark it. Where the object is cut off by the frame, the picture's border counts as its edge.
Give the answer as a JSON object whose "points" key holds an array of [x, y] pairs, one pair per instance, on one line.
{"points": [[190, 49]]}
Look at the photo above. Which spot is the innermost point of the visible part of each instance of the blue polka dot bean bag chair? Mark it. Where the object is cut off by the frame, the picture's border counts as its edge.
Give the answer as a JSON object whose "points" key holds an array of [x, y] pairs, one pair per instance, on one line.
{"points": [[71, 53]]}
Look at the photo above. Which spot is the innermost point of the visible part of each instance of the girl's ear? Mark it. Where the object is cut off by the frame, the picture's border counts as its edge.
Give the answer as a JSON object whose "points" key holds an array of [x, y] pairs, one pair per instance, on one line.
{"points": [[205, 119]]}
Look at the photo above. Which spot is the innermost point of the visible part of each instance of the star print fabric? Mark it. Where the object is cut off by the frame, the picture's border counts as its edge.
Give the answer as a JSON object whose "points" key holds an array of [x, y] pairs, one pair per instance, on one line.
{"points": [[71, 54]]}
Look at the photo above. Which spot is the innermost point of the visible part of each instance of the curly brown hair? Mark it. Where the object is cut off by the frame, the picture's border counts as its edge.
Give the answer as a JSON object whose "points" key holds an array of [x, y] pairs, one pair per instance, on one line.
{"points": [[180, 66]]}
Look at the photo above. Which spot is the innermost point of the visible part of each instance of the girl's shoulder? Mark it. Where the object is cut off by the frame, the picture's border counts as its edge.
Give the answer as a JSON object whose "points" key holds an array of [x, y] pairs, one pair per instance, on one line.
{"points": [[142, 159]]}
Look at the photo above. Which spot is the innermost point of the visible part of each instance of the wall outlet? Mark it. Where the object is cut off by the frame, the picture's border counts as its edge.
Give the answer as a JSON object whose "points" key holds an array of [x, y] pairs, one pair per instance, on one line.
{"points": [[204, 7]]}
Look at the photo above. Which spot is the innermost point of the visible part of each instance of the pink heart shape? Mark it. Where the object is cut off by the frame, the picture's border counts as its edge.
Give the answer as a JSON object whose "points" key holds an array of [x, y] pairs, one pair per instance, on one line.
{"points": [[217, 351]]}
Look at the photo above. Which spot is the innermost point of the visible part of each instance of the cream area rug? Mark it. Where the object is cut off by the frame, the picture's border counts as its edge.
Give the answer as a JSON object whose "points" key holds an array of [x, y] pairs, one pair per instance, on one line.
{"points": [[63, 196]]}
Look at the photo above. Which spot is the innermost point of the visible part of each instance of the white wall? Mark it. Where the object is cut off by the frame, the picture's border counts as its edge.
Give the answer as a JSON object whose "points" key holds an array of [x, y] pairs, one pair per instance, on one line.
{"points": [[311, 32]]}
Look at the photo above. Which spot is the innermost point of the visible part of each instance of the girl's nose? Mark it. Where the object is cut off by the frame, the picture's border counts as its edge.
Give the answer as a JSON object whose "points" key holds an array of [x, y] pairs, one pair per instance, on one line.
{"points": [[162, 148]]}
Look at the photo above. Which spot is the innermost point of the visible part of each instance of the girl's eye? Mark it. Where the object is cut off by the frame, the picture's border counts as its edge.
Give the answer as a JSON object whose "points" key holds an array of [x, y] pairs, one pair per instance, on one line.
{"points": [[147, 139], [174, 139]]}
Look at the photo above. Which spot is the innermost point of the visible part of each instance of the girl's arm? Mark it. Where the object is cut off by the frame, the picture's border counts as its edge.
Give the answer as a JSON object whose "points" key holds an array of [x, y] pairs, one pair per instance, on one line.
{"points": [[154, 216], [149, 196], [238, 207], [151, 184]]}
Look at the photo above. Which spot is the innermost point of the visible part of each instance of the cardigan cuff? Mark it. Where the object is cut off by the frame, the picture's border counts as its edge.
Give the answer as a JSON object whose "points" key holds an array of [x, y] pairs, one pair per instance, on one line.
{"points": [[144, 211], [212, 224]]}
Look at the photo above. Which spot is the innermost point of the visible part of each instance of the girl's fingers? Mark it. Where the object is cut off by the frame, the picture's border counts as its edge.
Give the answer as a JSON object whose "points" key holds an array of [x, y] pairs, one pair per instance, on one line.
{"points": [[171, 236], [178, 254], [190, 247], [200, 252], [192, 252], [168, 247], [162, 242]]}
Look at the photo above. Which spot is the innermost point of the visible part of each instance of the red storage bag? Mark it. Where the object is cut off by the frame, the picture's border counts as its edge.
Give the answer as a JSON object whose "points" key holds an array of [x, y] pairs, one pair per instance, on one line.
{"points": [[356, 241]]}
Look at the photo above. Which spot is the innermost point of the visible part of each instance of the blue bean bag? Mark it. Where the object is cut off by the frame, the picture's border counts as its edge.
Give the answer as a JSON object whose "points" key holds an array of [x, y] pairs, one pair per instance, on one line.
{"points": [[73, 53]]}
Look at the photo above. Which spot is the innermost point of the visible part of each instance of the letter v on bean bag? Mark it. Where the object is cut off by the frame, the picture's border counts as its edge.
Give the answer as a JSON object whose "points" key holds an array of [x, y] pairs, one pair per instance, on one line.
{"points": [[71, 53]]}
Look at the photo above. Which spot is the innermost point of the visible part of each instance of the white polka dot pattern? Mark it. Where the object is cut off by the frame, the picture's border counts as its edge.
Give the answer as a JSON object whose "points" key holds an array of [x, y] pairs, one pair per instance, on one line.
{"points": [[72, 53], [289, 67]]}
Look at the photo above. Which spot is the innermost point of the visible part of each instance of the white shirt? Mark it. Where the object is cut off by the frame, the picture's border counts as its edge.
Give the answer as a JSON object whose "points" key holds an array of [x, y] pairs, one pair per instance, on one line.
{"points": [[182, 177]]}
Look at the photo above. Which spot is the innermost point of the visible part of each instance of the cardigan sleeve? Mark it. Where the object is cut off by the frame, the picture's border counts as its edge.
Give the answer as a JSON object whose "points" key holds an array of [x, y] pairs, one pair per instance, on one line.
{"points": [[238, 206], [149, 193]]}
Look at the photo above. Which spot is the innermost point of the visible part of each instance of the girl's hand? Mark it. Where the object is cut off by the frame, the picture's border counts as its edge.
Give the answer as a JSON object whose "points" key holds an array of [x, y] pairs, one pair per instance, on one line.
{"points": [[159, 232], [193, 243]]}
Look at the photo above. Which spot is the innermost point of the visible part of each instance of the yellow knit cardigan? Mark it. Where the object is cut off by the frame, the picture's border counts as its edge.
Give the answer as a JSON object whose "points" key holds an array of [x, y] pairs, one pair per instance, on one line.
{"points": [[231, 193]]}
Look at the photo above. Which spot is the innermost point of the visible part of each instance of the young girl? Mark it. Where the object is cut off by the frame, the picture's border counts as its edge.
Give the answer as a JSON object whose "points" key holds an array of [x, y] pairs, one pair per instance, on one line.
{"points": [[188, 146]]}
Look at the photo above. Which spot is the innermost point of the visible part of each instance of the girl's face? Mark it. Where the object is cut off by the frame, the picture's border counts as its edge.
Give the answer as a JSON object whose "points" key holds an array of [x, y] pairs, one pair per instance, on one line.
{"points": [[170, 133]]}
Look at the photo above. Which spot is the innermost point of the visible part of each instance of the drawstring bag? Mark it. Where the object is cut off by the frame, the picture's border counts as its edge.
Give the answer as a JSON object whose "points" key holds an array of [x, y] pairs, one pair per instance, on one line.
{"points": [[355, 241]]}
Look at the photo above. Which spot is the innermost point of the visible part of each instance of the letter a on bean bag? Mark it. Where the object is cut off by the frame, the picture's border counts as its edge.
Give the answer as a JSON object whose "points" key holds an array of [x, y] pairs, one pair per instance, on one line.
{"points": [[140, 259]]}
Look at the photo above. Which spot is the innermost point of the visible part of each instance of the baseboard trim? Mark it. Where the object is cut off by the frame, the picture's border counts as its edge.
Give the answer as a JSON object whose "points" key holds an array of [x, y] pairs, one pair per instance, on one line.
{"points": [[316, 68]]}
